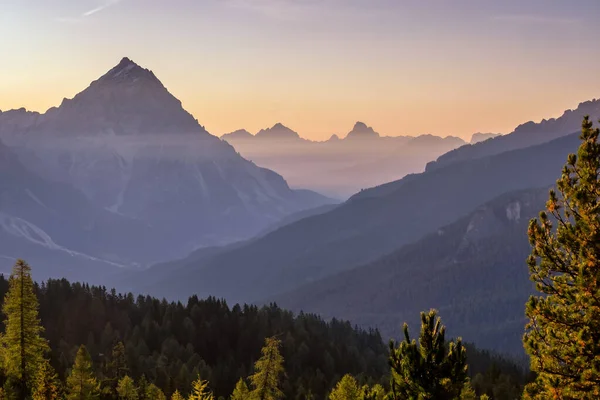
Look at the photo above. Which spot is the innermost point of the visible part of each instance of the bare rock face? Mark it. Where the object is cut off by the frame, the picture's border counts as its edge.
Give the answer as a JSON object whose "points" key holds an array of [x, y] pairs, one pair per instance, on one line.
{"points": [[128, 145]]}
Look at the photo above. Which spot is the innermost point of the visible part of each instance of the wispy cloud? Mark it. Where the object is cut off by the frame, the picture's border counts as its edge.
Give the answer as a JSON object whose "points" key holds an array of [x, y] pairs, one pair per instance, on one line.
{"points": [[81, 17]]}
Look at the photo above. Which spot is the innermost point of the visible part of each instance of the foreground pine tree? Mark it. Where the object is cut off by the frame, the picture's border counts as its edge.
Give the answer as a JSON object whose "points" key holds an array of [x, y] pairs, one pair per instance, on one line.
{"points": [[23, 347], [431, 369], [268, 371], [81, 383], [563, 333]]}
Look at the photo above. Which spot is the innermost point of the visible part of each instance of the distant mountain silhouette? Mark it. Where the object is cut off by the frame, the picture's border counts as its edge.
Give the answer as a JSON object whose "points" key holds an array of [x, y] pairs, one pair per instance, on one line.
{"points": [[131, 148], [473, 271], [340, 167], [362, 131], [277, 132], [527, 134], [369, 225], [481, 137]]}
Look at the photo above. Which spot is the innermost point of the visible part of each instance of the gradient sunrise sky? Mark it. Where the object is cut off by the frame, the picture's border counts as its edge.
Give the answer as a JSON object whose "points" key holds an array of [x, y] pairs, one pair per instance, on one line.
{"points": [[446, 67]]}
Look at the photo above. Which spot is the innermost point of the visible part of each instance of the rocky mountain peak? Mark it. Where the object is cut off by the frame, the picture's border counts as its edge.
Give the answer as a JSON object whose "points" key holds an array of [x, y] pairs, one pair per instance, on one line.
{"points": [[278, 131], [362, 131]]}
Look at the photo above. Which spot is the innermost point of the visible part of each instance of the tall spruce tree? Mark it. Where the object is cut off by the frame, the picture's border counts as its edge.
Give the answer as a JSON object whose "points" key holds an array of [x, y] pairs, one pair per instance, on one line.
{"points": [[268, 371], [116, 368], [431, 369], [23, 347], [563, 333], [81, 383]]}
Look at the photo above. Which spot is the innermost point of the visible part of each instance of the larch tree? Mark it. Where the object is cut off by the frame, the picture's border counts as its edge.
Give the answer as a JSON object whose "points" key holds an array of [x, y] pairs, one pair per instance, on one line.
{"points": [[563, 333], [81, 382], [153, 392], [47, 384], [177, 396], [126, 389], [268, 371], [23, 347], [346, 389], [241, 391], [376, 392], [431, 368], [200, 390]]}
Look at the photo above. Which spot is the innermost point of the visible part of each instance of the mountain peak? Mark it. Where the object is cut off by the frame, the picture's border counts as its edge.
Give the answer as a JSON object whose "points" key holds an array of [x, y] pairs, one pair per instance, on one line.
{"points": [[128, 70], [240, 134], [362, 131], [278, 131]]}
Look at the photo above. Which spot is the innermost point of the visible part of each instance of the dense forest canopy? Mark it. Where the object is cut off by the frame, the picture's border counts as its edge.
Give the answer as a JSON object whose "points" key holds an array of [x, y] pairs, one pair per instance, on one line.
{"points": [[170, 344]]}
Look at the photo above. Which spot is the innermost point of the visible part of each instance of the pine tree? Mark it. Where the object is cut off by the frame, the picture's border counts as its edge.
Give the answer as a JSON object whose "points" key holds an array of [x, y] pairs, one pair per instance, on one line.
{"points": [[23, 347], [241, 391], [267, 372], [346, 389], [81, 383], [154, 393], [200, 390], [177, 396], [47, 383], [126, 389], [430, 369], [563, 333]]}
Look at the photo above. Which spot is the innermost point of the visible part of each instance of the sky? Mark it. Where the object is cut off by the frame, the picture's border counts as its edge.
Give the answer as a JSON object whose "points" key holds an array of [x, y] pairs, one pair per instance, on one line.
{"points": [[405, 67]]}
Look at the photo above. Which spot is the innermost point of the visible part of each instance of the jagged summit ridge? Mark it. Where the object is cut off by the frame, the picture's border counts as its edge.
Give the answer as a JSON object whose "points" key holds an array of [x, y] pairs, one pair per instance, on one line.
{"points": [[278, 131], [128, 71]]}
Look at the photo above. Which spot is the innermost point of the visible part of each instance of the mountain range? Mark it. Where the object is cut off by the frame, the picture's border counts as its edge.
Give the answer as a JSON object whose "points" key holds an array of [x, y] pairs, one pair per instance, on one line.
{"points": [[340, 167], [126, 147], [464, 221], [121, 177], [527, 134]]}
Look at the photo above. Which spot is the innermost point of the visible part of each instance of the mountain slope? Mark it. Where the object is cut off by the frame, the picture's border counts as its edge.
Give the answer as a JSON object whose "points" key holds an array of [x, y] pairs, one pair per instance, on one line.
{"points": [[473, 271], [131, 148], [527, 134], [369, 225], [55, 226]]}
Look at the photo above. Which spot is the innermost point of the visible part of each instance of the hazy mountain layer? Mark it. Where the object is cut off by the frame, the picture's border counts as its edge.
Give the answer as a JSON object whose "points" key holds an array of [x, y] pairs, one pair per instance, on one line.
{"points": [[340, 167], [366, 227]]}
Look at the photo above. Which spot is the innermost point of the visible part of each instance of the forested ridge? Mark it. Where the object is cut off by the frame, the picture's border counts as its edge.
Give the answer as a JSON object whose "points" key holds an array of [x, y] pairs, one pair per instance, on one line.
{"points": [[170, 344]]}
